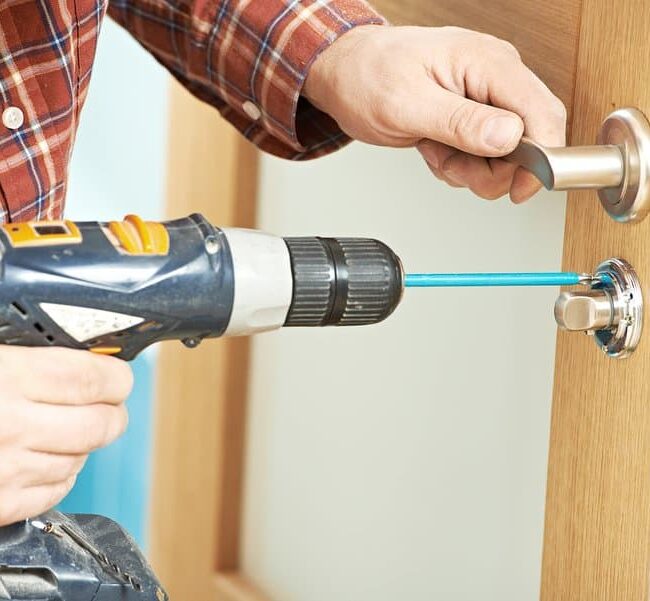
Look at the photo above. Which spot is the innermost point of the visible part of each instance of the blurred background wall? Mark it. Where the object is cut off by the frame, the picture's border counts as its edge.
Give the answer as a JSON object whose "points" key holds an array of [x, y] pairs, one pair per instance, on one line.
{"points": [[406, 460], [111, 175]]}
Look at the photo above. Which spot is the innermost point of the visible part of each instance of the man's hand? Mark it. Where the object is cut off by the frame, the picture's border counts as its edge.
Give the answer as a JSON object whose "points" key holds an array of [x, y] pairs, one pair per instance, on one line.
{"points": [[56, 406], [457, 95]]}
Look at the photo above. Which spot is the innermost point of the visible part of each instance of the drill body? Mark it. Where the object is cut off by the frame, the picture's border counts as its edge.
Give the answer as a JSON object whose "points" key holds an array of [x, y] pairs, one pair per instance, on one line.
{"points": [[118, 287]]}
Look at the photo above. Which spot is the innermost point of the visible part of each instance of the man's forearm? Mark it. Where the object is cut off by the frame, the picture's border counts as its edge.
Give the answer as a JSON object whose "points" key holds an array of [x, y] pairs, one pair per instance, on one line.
{"points": [[250, 60]]}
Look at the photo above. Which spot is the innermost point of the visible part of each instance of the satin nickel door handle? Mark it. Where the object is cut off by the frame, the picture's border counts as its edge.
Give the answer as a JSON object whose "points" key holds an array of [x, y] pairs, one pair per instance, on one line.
{"points": [[571, 167], [618, 166]]}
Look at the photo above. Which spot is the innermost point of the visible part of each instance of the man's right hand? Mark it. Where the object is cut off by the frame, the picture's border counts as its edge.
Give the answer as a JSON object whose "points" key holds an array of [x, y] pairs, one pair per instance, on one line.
{"points": [[463, 98], [56, 406]]}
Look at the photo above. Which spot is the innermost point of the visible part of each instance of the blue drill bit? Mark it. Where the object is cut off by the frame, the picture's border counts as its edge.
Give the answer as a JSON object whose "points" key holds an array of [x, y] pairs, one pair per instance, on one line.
{"points": [[444, 280]]}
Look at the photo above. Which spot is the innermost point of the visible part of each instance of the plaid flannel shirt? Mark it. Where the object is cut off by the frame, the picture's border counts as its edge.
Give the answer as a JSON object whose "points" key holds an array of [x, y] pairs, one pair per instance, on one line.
{"points": [[248, 58]]}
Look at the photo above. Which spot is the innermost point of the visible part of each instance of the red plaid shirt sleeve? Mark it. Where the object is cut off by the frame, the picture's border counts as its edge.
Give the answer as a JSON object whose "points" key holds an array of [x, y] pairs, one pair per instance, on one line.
{"points": [[250, 58]]}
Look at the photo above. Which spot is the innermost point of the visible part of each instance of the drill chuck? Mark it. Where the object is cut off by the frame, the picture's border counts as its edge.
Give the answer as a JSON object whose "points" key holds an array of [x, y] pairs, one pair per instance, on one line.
{"points": [[342, 281]]}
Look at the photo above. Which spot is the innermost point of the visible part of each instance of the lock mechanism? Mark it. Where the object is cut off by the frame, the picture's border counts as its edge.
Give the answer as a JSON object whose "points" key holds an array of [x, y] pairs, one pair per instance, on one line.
{"points": [[611, 311], [618, 166]]}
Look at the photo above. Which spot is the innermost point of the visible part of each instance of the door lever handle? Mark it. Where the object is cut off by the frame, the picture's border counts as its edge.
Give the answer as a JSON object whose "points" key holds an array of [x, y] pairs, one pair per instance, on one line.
{"points": [[571, 167], [618, 166]]}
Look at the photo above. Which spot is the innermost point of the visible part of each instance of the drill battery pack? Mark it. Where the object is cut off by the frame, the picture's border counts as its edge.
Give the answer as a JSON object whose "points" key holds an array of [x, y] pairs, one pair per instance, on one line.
{"points": [[58, 557]]}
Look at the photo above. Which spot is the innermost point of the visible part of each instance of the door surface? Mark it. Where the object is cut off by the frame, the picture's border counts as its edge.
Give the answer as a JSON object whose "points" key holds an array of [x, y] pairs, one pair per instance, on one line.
{"points": [[598, 500], [595, 54]]}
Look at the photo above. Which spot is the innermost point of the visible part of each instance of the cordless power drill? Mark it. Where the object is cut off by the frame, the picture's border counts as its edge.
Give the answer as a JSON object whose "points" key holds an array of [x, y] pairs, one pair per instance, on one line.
{"points": [[116, 288]]}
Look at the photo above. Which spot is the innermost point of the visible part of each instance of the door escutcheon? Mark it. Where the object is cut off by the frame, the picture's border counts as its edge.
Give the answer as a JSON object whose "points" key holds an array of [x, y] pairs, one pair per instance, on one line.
{"points": [[618, 166], [612, 310]]}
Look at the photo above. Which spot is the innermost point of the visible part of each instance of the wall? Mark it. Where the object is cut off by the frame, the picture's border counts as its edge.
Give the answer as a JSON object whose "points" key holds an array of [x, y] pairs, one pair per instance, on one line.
{"points": [[119, 167], [405, 460]]}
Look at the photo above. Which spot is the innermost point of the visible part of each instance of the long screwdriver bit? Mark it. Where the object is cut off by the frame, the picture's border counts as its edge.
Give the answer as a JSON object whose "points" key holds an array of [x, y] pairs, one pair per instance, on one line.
{"points": [[452, 280]]}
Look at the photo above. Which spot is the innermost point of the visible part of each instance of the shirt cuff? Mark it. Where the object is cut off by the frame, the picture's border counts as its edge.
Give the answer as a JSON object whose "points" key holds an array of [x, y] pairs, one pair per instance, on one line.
{"points": [[274, 115]]}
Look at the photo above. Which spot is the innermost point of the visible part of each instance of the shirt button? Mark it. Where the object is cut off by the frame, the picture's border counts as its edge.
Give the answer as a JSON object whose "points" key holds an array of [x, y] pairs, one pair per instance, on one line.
{"points": [[252, 110], [13, 117]]}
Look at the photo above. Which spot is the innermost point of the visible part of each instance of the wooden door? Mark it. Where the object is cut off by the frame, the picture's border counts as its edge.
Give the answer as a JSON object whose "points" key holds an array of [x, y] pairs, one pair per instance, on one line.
{"points": [[595, 54], [597, 535]]}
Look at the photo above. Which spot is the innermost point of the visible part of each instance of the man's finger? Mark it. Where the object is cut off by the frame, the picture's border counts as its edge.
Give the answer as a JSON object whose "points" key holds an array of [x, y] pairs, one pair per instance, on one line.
{"points": [[65, 376], [523, 93], [35, 468], [435, 153], [524, 185], [442, 178], [487, 178], [464, 124], [17, 505], [72, 430]]}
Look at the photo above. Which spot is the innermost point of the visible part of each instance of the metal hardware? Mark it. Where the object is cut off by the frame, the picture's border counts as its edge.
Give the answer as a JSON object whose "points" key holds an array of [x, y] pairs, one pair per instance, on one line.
{"points": [[586, 311], [212, 245], [191, 342], [612, 310], [618, 167]]}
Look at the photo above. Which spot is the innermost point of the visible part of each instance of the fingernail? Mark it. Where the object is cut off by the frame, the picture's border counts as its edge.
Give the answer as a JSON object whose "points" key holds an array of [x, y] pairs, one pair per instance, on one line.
{"points": [[500, 132]]}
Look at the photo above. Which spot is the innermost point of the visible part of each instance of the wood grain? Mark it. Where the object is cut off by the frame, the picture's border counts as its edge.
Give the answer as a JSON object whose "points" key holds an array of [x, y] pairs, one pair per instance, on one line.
{"points": [[597, 536], [201, 394], [546, 33]]}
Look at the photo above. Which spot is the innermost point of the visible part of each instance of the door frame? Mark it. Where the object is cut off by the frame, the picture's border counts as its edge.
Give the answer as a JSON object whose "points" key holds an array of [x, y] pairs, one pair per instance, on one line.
{"points": [[201, 395]]}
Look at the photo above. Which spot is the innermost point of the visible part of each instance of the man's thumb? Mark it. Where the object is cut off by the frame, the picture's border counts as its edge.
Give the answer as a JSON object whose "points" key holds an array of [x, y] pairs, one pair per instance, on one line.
{"points": [[474, 127]]}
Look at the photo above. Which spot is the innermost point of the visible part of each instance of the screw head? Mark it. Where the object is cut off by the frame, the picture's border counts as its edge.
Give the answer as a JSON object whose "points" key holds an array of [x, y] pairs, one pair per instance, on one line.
{"points": [[212, 245], [191, 342]]}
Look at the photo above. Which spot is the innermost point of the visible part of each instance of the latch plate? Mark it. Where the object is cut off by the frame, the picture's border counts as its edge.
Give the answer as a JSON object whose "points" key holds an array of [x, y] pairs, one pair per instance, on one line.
{"points": [[612, 310]]}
